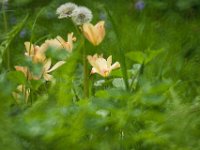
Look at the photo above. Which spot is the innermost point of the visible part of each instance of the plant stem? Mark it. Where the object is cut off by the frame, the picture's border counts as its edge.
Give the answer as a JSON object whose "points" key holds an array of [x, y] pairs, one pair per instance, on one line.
{"points": [[6, 30], [120, 51], [85, 73], [85, 65], [4, 17]]}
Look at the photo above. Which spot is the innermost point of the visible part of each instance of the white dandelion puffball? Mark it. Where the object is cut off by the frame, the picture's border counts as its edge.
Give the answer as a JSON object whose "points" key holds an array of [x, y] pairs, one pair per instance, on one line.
{"points": [[81, 15], [66, 10]]}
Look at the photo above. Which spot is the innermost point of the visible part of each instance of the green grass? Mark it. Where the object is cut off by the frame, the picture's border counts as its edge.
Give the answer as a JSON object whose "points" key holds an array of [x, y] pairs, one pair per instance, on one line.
{"points": [[151, 102]]}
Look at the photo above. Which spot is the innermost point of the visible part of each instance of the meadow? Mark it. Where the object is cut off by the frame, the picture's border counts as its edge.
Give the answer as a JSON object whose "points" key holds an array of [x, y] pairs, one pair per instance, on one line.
{"points": [[99, 75]]}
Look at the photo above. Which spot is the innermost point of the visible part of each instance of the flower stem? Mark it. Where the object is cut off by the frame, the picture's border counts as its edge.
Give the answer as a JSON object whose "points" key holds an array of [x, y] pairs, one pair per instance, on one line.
{"points": [[85, 64], [85, 73]]}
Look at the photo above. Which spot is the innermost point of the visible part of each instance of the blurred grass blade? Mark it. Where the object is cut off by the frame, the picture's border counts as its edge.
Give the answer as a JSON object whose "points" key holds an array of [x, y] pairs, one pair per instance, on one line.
{"points": [[8, 40], [120, 52], [33, 26]]}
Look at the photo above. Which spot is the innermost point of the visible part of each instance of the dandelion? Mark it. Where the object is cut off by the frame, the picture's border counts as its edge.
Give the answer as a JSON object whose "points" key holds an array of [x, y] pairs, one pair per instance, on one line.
{"points": [[95, 34], [47, 69], [81, 15], [66, 10], [101, 65]]}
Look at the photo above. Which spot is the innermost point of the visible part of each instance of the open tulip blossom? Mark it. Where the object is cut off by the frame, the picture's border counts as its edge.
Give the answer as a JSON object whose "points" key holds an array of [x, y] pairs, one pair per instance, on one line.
{"points": [[47, 69], [101, 65], [94, 33], [60, 43], [27, 73], [99, 75], [36, 53]]}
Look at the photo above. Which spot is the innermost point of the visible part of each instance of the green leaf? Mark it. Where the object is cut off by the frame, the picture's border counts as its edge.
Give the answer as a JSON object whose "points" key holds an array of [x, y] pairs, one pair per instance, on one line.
{"points": [[56, 53], [35, 84], [16, 77], [151, 54], [10, 36], [141, 57], [119, 83], [136, 56]]}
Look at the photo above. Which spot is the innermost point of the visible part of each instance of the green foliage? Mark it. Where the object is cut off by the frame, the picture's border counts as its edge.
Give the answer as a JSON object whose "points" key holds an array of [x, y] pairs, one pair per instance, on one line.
{"points": [[8, 38], [151, 103]]}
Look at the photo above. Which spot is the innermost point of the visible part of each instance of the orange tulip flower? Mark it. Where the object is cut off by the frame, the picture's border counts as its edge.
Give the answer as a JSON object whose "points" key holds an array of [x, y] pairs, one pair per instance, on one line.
{"points": [[95, 34], [101, 65], [47, 69], [60, 43], [34, 52]]}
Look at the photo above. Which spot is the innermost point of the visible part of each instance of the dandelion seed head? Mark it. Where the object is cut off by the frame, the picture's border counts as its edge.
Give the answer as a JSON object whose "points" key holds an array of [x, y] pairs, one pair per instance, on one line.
{"points": [[66, 10], [81, 15]]}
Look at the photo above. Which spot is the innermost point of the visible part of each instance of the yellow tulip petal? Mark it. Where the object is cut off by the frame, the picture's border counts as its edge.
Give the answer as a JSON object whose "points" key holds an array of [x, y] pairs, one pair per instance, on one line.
{"points": [[101, 65], [22, 69], [109, 61], [29, 47], [90, 33], [115, 65], [57, 65], [101, 31], [48, 77], [47, 65]]}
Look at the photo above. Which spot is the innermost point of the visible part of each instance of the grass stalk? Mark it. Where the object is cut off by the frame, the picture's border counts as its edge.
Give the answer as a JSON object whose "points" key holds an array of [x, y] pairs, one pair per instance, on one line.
{"points": [[33, 27], [85, 65], [6, 30], [85, 73], [120, 51]]}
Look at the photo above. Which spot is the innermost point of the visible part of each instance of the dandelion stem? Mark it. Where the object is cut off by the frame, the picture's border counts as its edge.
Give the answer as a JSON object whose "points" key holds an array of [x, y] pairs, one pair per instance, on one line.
{"points": [[85, 65]]}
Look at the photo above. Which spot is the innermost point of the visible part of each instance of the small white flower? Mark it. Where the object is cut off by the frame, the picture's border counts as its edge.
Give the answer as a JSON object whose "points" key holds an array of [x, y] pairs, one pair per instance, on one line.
{"points": [[66, 10], [81, 15]]}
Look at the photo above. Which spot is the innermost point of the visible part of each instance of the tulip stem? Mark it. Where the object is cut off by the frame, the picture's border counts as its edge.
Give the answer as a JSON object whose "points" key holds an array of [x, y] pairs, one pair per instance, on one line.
{"points": [[85, 73]]}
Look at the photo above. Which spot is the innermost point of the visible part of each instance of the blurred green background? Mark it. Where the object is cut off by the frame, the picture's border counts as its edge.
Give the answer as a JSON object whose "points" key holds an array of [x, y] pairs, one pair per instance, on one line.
{"points": [[161, 111]]}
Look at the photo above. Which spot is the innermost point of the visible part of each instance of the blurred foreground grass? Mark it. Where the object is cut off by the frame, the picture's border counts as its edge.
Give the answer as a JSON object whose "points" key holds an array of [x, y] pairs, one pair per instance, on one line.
{"points": [[160, 41]]}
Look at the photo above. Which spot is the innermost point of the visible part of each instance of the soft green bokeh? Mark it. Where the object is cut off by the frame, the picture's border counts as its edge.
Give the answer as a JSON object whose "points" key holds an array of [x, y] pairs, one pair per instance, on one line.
{"points": [[161, 109]]}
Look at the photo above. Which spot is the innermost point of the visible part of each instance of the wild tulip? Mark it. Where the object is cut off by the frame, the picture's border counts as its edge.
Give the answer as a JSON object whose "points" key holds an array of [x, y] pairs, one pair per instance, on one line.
{"points": [[47, 69], [22, 92], [60, 43], [34, 52], [27, 73], [101, 65], [94, 33]]}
